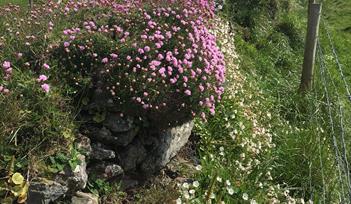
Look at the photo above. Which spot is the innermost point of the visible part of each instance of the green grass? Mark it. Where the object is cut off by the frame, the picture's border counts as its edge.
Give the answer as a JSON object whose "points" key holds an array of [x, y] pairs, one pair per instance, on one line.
{"points": [[18, 2], [302, 159]]}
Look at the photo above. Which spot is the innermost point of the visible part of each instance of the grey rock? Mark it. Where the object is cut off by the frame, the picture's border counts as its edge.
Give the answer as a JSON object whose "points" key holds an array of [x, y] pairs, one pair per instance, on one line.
{"points": [[101, 152], [106, 170], [78, 177], [170, 141], [44, 191], [83, 144], [124, 139], [118, 124], [134, 154], [84, 198], [104, 135]]}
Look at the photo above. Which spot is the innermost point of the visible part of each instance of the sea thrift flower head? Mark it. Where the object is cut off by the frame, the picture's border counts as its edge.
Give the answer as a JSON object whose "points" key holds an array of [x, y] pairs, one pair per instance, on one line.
{"points": [[6, 65], [147, 49], [42, 78], [66, 44], [114, 56], [45, 88], [46, 66]]}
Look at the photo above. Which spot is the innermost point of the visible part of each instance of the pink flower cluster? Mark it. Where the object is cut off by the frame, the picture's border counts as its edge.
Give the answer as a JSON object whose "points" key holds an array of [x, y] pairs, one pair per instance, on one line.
{"points": [[157, 55], [166, 59], [7, 72]]}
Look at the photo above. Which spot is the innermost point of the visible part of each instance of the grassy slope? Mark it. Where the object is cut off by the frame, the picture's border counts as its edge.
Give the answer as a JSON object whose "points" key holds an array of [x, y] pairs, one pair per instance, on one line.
{"points": [[18, 2], [261, 104], [301, 160]]}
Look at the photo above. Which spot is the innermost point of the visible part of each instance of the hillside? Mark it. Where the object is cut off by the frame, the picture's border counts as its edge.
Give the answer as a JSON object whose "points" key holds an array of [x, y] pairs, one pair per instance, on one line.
{"points": [[104, 105]]}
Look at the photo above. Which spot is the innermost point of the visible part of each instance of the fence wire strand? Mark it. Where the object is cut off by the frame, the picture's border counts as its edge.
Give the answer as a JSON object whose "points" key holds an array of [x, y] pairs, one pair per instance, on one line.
{"points": [[341, 158], [337, 61]]}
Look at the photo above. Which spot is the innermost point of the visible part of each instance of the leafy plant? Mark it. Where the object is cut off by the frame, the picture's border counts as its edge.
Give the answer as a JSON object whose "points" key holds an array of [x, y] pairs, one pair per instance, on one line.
{"points": [[59, 161]]}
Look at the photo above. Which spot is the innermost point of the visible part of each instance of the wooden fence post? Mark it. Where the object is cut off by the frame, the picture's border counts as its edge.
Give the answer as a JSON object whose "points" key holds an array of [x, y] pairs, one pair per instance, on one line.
{"points": [[314, 13]]}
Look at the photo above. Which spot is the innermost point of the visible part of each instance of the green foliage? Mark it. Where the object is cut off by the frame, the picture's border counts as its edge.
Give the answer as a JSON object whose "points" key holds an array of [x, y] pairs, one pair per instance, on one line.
{"points": [[301, 158], [35, 122], [248, 13], [109, 192], [100, 187], [59, 161], [289, 27]]}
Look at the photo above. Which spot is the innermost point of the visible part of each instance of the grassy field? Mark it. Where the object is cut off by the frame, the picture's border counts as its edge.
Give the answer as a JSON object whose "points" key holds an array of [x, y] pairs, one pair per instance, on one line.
{"points": [[18, 2], [338, 18]]}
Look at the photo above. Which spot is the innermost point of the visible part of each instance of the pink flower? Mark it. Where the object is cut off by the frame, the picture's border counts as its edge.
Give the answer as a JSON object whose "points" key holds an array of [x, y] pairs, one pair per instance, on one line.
{"points": [[202, 88], [6, 91], [141, 51], [160, 57], [155, 63], [8, 71], [168, 35], [212, 111], [46, 88], [46, 66], [162, 70], [187, 92], [147, 49], [66, 44], [81, 48], [6, 65], [105, 60], [42, 78], [114, 56]]}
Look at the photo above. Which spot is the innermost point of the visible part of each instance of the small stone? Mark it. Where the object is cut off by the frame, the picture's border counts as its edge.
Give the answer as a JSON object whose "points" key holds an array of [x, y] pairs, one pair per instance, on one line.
{"points": [[84, 198], [45, 191], [118, 124], [106, 170], [83, 145], [100, 152], [78, 177], [124, 139], [105, 136]]}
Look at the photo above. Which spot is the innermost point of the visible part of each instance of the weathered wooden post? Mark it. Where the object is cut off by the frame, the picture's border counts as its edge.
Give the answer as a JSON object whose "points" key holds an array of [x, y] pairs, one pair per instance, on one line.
{"points": [[30, 4], [314, 13]]}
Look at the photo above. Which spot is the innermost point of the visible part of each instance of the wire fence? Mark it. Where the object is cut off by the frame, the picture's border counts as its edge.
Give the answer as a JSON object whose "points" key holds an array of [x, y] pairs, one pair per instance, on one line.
{"points": [[332, 73]]}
